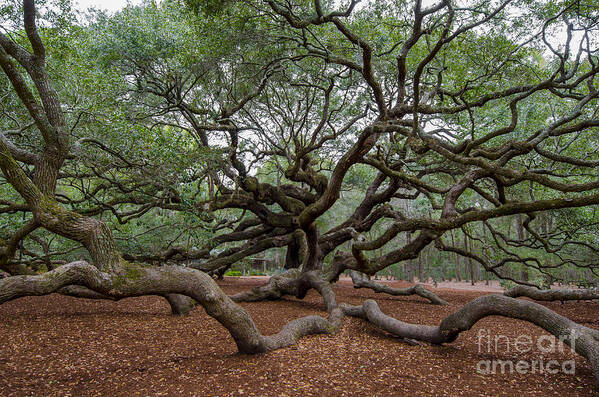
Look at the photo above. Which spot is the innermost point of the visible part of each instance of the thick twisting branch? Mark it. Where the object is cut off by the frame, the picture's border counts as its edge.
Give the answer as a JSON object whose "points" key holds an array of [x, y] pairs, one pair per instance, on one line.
{"points": [[164, 280], [293, 282], [584, 340], [552, 294], [362, 281]]}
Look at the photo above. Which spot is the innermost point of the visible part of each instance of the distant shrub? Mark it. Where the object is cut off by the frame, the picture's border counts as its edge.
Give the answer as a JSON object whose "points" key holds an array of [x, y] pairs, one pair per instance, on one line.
{"points": [[507, 284], [233, 273], [257, 273]]}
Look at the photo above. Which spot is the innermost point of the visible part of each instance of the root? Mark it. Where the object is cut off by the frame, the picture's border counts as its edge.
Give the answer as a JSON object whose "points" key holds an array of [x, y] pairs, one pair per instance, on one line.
{"points": [[362, 281]]}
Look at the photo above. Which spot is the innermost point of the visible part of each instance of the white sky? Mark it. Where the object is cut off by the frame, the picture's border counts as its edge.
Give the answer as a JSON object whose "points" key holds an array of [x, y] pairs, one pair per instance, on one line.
{"points": [[114, 5], [110, 5]]}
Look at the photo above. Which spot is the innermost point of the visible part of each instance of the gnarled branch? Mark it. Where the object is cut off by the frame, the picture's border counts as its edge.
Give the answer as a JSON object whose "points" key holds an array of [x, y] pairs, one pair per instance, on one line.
{"points": [[362, 281]]}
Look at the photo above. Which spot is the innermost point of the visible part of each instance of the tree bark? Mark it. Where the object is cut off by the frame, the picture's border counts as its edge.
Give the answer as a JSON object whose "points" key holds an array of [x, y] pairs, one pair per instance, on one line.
{"points": [[362, 281], [293, 282], [181, 305], [584, 340], [164, 280], [552, 294], [292, 256]]}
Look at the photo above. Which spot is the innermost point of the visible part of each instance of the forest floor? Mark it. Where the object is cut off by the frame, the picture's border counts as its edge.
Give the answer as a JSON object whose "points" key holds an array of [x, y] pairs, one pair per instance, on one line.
{"points": [[61, 346]]}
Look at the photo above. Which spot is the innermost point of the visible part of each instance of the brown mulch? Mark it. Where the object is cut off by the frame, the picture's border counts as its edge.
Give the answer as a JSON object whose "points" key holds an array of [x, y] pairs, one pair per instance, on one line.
{"points": [[61, 346]]}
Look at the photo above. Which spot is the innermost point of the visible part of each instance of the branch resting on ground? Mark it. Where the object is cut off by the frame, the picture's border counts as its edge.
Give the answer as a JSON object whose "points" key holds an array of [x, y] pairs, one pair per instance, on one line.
{"points": [[584, 340], [362, 281], [292, 282], [180, 305], [164, 280], [552, 294]]}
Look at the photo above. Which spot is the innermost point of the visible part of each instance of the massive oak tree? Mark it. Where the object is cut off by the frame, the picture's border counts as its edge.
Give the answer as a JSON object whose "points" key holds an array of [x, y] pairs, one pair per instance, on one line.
{"points": [[252, 119]]}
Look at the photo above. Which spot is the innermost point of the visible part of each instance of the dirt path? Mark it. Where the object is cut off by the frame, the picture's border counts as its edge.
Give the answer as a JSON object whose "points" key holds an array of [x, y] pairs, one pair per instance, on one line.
{"points": [[60, 346]]}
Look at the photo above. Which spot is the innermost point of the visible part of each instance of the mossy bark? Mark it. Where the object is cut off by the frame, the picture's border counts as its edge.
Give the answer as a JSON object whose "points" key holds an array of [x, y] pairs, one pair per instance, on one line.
{"points": [[167, 280]]}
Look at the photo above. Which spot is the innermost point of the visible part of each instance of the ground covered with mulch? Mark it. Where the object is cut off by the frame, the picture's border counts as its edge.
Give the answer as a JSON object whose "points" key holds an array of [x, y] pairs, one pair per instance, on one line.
{"points": [[61, 346]]}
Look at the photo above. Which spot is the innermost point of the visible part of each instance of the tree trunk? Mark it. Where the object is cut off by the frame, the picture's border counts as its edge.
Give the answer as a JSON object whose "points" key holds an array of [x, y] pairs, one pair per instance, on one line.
{"points": [[292, 257], [420, 269], [521, 236], [409, 265], [456, 259], [470, 262]]}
